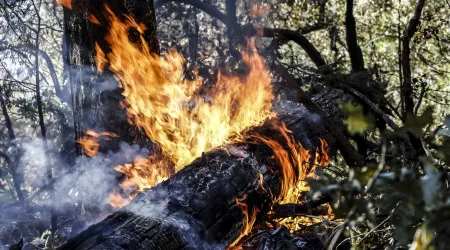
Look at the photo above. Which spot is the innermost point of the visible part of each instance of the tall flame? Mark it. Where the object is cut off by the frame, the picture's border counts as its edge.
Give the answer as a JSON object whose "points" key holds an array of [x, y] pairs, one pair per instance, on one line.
{"points": [[170, 108], [187, 120]]}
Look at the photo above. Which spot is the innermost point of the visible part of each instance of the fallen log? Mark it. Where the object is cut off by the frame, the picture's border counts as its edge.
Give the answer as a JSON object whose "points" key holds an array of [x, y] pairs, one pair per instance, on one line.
{"points": [[198, 208]]}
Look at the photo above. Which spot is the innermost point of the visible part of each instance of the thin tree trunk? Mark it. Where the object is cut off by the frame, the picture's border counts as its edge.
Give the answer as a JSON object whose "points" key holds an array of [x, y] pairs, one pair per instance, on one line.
{"points": [[356, 56], [41, 120], [16, 178], [406, 87]]}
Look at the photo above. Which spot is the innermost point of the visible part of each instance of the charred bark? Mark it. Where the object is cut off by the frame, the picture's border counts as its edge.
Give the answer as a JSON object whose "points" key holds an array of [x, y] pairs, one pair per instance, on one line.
{"points": [[196, 208], [95, 96]]}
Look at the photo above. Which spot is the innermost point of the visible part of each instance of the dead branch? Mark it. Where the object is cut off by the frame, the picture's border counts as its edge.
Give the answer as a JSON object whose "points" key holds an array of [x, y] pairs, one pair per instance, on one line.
{"points": [[406, 86]]}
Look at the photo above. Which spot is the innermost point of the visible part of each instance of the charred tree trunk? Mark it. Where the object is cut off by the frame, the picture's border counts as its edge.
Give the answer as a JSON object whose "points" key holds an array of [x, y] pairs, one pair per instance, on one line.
{"points": [[197, 207], [96, 96]]}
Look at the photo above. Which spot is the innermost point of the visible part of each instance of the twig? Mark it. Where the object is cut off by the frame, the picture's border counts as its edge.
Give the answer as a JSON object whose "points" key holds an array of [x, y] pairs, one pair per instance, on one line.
{"points": [[292, 209], [419, 101]]}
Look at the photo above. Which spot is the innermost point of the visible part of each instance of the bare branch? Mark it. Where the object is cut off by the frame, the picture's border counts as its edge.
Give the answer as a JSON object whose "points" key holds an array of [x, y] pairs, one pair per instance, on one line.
{"points": [[249, 30], [406, 86], [47, 59], [298, 38]]}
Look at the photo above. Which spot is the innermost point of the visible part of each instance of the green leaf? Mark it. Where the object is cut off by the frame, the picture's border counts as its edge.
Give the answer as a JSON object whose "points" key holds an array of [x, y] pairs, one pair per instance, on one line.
{"points": [[422, 238], [356, 121]]}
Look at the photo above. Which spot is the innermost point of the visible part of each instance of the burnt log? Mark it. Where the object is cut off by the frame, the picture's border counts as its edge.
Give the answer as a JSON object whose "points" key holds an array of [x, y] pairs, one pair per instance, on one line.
{"points": [[197, 207]]}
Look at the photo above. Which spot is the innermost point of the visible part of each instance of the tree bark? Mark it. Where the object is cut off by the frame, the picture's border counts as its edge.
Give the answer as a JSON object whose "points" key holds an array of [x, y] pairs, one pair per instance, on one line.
{"points": [[16, 177], [356, 56], [95, 96], [407, 90], [197, 207]]}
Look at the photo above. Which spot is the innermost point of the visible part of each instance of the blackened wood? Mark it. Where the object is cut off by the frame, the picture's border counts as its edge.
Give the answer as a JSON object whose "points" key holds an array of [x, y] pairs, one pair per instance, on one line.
{"points": [[281, 239], [313, 207], [95, 96], [196, 208]]}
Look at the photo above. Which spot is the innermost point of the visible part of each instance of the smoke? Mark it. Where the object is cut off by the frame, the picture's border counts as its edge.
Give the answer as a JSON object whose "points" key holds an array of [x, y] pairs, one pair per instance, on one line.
{"points": [[88, 182], [155, 206]]}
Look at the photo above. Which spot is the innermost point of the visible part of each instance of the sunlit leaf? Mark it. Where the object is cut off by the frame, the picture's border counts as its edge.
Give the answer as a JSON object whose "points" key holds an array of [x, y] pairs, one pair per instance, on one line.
{"points": [[356, 121]]}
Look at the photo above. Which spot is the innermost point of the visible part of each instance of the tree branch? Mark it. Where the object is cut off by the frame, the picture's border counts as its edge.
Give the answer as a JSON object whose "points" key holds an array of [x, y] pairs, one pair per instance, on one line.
{"points": [[12, 136], [406, 86], [41, 119], [349, 153], [298, 38], [249, 30], [371, 104], [232, 26], [47, 59], [205, 7]]}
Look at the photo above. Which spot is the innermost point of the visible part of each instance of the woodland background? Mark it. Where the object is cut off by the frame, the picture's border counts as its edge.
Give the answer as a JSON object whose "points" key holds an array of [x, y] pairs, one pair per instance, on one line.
{"points": [[392, 56]]}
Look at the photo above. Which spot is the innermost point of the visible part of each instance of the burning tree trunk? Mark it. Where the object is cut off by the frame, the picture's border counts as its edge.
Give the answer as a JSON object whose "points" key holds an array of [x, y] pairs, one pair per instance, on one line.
{"points": [[96, 97], [216, 198]]}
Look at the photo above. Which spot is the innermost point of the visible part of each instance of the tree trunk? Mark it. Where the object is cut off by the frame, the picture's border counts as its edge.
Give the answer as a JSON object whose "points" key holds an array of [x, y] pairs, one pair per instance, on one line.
{"points": [[95, 96], [197, 207]]}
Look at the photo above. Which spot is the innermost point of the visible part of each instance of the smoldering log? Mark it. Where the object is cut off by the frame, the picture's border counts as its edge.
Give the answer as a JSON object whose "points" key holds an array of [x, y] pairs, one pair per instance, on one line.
{"points": [[196, 208]]}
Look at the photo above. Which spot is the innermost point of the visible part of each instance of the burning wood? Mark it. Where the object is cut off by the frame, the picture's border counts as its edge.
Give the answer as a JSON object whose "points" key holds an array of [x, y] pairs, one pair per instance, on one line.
{"points": [[234, 156]]}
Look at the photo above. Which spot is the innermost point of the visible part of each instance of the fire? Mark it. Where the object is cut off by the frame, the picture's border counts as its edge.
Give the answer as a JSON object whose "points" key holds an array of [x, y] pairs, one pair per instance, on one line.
{"points": [[90, 143], [117, 200], [66, 3], [294, 162], [144, 173], [249, 219], [170, 108], [186, 119]]}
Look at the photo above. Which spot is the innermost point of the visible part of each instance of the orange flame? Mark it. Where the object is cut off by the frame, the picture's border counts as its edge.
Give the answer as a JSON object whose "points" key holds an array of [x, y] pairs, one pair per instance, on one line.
{"points": [[293, 160], [170, 108], [143, 173], [249, 219], [90, 143], [187, 120], [65, 3], [117, 200]]}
